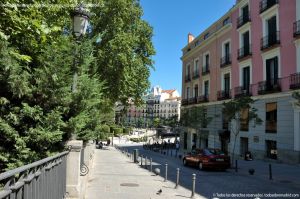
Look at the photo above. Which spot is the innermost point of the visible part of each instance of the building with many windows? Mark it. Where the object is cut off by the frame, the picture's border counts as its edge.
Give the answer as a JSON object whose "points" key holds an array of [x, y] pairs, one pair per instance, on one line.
{"points": [[254, 50], [157, 104]]}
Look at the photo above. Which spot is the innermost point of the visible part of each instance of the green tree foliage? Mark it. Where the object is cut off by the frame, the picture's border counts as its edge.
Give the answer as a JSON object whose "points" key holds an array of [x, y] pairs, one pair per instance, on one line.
{"points": [[195, 117], [125, 50], [296, 95], [38, 110], [233, 112]]}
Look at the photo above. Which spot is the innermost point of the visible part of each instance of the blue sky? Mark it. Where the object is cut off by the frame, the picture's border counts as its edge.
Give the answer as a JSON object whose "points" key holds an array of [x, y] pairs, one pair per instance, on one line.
{"points": [[172, 20]]}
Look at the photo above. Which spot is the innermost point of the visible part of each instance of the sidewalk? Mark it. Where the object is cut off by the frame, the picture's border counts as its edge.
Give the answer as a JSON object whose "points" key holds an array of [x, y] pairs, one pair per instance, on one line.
{"points": [[114, 176]]}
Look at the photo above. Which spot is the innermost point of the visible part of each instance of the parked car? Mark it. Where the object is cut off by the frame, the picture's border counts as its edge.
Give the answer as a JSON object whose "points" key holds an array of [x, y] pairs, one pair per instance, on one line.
{"points": [[207, 158]]}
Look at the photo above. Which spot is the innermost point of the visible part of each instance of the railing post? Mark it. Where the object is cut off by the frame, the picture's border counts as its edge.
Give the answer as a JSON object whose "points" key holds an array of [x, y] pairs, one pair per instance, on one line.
{"points": [[73, 168]]}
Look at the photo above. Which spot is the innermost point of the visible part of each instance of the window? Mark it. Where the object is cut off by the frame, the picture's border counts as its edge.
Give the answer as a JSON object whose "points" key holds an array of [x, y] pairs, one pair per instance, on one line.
{"points": [[187, 92], [271, 117], [188, 71], [244, 120], [196, 91], [227, 83], [271, 149], [206, 35], [271, 72], [226, 21], [225, 121], [196, 67], [246, 79], [206, 88], [185, 140]]}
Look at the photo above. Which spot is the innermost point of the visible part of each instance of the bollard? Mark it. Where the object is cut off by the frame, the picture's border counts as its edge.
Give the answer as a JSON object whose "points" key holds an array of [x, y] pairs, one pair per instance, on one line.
{"points": [[236, 166], [150, 164], [270, 172], [136, 155], [177, 178], [193, 184], [166, 172], [141, 160]]}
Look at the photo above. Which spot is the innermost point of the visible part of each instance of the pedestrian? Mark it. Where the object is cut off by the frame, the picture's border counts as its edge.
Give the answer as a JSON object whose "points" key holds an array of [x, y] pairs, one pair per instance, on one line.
{"points": [[177, 147]]}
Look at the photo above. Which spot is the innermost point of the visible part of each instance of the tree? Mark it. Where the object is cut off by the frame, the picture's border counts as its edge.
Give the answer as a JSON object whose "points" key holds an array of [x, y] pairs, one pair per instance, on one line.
{"points": [[296, 95], [195, 117], [233, 112]]}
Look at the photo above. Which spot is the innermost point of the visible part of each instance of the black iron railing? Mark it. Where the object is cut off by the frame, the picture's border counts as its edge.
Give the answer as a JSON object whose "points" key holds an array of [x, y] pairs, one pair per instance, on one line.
{"points": [[295, 81], [196, 75], [245, 51], [42, 179], [187, 78], [266, 4], [243, 20], [241, 91], [225, 61], [184, 102], [270, 40], [205, 69], [296, 28], [271, 86], [202, 98], [192, 100], [224, 94]]}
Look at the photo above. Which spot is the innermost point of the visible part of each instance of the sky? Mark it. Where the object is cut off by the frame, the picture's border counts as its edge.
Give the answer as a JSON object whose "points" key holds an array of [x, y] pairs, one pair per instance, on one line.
{"points": [[172, 20]]}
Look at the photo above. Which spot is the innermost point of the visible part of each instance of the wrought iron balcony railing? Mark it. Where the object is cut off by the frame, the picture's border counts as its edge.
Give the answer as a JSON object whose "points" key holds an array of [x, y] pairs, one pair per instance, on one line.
{"points": [[243, 20], [241, 91], [196, 75], [203, 98], [271, 86], [205, 69], [244, 51], [296, 28], [266, 4], [187, 78], [270, 40], [295, 81], [225, 61], [224, 94]]}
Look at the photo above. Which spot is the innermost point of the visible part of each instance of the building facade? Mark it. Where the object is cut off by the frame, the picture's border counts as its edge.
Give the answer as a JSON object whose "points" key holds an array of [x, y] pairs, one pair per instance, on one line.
{"points": [[157, 104], [254, 50]]}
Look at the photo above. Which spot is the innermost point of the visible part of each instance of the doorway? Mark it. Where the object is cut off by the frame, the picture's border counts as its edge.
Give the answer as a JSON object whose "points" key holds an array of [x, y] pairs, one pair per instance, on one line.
{"points": [[243, 146]]}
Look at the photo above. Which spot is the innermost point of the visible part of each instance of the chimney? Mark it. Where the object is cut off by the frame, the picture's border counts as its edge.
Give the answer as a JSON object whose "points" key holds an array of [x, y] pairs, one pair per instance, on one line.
{"points": [[190, 37]]}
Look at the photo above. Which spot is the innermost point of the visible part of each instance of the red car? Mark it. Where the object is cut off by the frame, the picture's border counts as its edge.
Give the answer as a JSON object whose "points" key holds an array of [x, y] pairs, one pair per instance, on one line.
{"points": [[207, 158]]}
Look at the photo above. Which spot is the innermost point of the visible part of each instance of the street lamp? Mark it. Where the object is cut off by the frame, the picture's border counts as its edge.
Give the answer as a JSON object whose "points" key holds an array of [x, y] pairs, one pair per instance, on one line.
{"points": [[80, 18]]}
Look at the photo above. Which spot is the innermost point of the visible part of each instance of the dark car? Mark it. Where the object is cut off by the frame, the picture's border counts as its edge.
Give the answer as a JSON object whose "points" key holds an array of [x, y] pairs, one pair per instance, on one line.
{"points": [[207, 158]]}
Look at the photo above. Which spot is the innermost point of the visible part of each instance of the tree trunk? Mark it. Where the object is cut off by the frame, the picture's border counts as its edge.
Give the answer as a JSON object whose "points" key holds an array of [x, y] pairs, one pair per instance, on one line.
{"points": [[233, 150]]}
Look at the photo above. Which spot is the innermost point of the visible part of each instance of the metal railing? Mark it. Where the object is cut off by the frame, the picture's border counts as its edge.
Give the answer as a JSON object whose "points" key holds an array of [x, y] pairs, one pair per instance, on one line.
{"points": [[205, 69], [272, 86], [192, 100], [295, 81], [243, 20], [196, 74], [241, 91], [244, 51], [296, 28], [224, 94], [266, 4], [202, 98], [225, 61], [44, 179], [187, 78], [270, 40]]}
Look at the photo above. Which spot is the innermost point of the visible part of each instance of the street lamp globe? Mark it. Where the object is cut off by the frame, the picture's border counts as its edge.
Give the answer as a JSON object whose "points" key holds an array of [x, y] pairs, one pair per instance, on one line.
{"points": [[80, 17]]}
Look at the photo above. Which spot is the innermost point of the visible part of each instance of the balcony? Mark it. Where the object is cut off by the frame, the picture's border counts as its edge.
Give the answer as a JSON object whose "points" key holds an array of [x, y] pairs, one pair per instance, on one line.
{"points": [[240, 91], [187, 78], [266, 87], [266, 4], [295, 81], [225, 94], [192, 100], [225, 61], [184, 102], [243, 20], [202, 99], [270, 40], [296, 28], [205, 69], [196, 75], [244, 52]]}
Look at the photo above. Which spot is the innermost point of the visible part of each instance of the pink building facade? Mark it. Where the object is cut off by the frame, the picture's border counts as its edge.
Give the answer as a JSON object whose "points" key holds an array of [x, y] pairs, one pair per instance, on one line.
{"points": [[254, 50]]}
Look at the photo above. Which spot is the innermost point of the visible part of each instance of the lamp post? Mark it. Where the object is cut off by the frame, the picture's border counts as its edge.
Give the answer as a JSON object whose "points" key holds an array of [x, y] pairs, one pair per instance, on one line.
{"points": [[80, 19]]}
